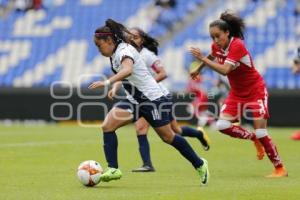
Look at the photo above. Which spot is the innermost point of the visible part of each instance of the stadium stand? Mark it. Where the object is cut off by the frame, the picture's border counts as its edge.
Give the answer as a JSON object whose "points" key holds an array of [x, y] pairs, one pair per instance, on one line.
{"points": [[39, 47]]}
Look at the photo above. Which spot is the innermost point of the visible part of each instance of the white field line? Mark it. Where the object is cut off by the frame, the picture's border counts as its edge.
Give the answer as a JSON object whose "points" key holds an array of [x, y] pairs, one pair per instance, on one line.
{"points": [[39, 144]]}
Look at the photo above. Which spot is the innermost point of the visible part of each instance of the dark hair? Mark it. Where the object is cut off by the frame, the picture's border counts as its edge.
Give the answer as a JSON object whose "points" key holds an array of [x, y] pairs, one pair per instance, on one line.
{"points": [[230, 22], [115, 30], [148, 41], [171, 3]]}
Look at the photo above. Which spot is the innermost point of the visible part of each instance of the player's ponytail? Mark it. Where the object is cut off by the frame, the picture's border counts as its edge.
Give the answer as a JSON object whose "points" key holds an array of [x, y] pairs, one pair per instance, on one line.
{"points": [[118, 30], [115, 30], [236, 24], [111, 29], [230, 22], [148, 41]]}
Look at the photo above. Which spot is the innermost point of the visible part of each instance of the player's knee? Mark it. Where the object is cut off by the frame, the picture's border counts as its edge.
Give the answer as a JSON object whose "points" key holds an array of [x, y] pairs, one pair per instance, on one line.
{"points": [[107, 127], [259, 133], [177, 129], [141, 129], [223, 124], [167, 138]]}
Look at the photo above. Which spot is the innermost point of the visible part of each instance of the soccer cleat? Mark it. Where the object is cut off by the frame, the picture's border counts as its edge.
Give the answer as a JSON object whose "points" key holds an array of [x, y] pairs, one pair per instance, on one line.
{"points": [[260, 151], [204, 173], [278, 173], [205, 141], [144, 168], [111, 174], [296, 136]]}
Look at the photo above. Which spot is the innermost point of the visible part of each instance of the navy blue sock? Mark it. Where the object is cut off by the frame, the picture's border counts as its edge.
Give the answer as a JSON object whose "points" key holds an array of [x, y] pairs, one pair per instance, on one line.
{"points": [[111, 148], [191, 132], [187, 151], [144, 149]]}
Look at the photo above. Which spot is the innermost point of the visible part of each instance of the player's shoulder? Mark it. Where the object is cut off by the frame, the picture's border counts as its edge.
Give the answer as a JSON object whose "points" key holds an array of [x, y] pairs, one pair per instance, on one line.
{"points": [[125, 49], [144, 51], [237, 42], [123, 46], [214, 46], [214, 49], [147, 52]]}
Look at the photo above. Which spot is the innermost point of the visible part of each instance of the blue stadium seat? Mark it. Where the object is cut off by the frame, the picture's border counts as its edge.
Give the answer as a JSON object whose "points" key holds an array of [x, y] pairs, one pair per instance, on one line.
{"points": [[86, 18]]}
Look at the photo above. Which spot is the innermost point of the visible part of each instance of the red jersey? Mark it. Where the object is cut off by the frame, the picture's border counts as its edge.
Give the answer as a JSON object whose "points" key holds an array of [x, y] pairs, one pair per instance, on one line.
{"points": [[245, 81], [200, 102], [194, 87]]}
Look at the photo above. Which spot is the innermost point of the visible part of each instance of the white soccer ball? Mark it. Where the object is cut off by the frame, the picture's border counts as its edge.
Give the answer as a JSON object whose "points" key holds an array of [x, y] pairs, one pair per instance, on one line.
{"points": [[89, 172]]}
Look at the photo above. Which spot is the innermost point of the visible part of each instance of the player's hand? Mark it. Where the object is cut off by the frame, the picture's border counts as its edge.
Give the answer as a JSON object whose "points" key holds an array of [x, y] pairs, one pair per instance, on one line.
{"points": [[111, 94], [196, 52], [194, 74], [97, 84]]}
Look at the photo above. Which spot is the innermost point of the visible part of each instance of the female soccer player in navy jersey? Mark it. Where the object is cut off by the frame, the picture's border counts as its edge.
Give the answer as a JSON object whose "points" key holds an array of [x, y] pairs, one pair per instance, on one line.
{"points": [[145, 99], [148, 49], [248, 92]]}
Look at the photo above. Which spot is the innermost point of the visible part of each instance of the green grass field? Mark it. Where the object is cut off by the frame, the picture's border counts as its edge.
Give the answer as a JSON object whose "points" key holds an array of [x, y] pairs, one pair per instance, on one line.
{"points": [[40, 162]]}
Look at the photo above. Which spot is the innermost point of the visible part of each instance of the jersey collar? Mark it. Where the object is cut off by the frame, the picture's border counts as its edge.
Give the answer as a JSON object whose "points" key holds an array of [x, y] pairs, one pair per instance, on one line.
{"points": [[231, 39]]}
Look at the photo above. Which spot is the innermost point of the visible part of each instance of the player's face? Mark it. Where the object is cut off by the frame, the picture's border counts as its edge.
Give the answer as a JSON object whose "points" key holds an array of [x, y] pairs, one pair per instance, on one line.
{"points": [[220, 37], [105, 47], [136, 38]]}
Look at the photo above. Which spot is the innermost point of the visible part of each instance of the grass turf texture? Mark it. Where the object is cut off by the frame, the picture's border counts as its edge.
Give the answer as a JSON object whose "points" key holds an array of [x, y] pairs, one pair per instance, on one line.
{"points": [[40, 162]]}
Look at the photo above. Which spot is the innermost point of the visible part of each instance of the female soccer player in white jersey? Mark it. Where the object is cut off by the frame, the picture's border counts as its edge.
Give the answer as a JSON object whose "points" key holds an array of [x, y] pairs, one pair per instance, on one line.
{"points": [[248, 92], [148, 48], [145, 98]]}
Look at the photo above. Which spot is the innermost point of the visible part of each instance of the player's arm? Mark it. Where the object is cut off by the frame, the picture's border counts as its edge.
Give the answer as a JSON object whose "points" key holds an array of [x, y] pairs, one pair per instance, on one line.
{"points": [[296, 66], [125, 71], [159, 70], [223, 69], [113, 91], [209, 57], [195, 72], [116, 86]]}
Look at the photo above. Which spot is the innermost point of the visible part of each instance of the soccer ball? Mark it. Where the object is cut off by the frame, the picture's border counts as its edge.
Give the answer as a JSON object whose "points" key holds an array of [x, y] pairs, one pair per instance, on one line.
{"points": [[89, 172]]}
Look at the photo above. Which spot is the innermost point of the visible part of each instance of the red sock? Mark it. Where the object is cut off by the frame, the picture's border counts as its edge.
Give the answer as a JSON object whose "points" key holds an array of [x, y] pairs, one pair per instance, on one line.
{"points": [[238, 132], [271, 150]]}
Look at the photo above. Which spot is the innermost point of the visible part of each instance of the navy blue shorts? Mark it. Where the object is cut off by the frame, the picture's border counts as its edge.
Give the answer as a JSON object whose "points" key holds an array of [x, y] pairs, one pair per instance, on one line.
{"points": [[170, 99], [157, 113]]}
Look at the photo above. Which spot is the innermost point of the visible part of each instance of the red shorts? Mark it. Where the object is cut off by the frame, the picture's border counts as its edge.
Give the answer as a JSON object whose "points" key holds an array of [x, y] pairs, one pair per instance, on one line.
{"points": [[200, 102], [255, 109]]}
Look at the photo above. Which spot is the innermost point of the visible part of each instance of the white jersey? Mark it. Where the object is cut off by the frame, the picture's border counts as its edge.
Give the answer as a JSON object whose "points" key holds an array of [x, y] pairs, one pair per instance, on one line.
{"points": [[150, 58], [140, 86]]}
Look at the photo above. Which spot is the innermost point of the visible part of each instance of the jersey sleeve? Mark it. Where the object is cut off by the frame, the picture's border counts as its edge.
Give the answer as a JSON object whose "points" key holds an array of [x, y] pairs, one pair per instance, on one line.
{"points": [[125, 53], [150, 59], [236, 52]]}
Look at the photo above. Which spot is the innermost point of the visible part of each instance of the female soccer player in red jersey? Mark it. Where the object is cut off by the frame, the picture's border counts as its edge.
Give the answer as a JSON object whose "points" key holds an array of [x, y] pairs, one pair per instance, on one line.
{"points": [[248, 93], [296, 70]]}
